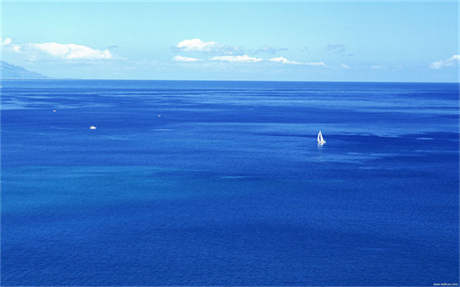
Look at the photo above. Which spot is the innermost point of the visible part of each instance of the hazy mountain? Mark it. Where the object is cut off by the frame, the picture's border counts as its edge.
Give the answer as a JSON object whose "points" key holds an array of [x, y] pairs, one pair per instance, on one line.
{"points": [[11, 72]]}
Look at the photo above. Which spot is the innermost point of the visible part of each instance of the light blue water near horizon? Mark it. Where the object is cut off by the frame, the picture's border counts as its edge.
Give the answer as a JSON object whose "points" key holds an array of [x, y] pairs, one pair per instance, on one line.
{"points": [[222, 183]]}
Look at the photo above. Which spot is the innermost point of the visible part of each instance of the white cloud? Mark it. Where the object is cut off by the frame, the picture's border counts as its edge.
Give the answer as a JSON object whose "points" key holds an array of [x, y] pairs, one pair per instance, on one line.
{"points": [[71, 51], [445, 63], [283, 60], [317, 64], [8, 43], [5, 42], [16, 48], [345, 66], [196, 45], [179, 58], [241, 59]]}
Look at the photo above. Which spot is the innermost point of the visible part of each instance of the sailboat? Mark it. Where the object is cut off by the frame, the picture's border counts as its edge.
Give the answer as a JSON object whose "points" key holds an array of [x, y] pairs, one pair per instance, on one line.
{"points": [[320, 139]]}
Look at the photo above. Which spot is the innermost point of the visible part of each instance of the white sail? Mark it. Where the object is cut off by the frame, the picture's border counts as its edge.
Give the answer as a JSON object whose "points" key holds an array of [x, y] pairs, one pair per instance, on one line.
{"points": [[320, 139]]}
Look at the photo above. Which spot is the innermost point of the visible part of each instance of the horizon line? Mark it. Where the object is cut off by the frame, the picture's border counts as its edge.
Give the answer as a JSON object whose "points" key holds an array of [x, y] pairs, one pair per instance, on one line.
{"points": [[274, 81]]}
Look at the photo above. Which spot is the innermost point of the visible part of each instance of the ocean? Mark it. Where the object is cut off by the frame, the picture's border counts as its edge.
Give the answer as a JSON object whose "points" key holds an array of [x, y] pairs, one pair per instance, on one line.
{"points": [[223, 183]]}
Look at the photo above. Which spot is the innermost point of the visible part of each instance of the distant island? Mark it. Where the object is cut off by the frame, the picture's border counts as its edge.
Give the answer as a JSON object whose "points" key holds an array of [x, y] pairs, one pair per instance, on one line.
{"points": [[12, 72]]}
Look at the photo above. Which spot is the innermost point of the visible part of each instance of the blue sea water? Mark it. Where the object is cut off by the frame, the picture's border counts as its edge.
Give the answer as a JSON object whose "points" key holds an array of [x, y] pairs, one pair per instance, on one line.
{"points": [[222, 183]]}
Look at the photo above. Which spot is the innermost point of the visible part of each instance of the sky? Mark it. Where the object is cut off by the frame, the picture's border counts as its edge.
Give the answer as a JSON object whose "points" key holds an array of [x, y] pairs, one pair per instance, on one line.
{"points": [[409, 41]]}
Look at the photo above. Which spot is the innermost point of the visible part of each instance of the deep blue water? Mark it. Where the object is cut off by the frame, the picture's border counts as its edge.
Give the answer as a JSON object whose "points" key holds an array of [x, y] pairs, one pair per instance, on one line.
{"points": [[222, 183]]}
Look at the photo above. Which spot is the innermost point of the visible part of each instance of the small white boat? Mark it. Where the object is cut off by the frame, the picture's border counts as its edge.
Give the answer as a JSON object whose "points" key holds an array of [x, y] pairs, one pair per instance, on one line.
{"points": [[92, 127], [320, 139]]}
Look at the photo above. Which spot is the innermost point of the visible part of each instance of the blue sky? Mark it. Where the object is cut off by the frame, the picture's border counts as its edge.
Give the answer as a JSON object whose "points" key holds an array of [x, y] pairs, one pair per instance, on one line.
{"points": [[301, 41]]}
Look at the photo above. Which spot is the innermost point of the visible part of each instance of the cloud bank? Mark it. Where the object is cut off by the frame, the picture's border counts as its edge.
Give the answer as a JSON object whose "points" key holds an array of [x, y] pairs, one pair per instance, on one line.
{"points": [[179, 58], [8, 43], [315, 64], [71, 51], [240, 59], [445, 63], [196, 45], [283, 60], [225, 53], [56, 50], [5, 42]]}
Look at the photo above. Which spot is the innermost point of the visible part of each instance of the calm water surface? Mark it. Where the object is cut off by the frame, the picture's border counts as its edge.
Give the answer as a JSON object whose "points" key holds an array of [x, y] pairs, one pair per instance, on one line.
{"points": [[222, 183]]}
